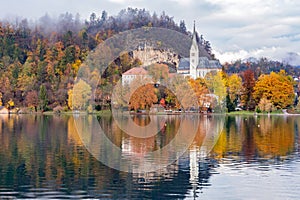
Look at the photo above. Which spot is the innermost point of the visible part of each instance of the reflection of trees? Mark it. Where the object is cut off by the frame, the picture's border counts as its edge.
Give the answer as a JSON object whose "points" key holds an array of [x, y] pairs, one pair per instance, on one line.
{"points": [[230, 140], [274, 136], [247, 136]]}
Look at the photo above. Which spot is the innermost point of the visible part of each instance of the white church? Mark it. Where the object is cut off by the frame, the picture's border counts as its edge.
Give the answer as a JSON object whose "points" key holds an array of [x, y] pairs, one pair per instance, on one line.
{"points": [[196, 66]]}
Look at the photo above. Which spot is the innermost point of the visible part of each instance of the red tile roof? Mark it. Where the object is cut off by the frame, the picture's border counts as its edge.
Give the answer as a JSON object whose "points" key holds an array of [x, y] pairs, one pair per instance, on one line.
{"points": [[136, 71]]}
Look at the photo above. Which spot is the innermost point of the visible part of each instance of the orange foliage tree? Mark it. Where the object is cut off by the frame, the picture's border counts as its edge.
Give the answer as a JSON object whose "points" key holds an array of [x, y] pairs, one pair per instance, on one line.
{"points": [[200, 89], [276, 87], [143, 97]]}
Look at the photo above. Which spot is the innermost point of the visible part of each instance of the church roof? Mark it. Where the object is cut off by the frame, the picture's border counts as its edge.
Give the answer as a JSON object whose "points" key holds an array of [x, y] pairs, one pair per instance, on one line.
{"points": [[136, 71], [204, 63], [184, 64]]}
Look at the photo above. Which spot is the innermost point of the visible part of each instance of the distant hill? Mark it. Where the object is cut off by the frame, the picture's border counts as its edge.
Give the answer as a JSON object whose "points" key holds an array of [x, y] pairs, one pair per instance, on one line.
{"points": [[261, 66], [292, 58]]}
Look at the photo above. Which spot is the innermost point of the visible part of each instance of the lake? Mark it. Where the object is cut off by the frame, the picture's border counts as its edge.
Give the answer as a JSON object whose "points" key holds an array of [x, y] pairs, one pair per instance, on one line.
{"points": [[227, 157]]}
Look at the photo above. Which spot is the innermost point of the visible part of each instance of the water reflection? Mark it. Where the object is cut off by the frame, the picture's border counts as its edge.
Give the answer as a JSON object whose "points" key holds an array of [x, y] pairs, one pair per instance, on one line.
{"points": [[261, 137], [44, 156]]}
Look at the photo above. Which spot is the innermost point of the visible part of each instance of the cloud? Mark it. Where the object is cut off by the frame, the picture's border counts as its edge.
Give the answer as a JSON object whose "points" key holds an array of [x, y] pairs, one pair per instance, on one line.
{"points": [[124, 1], [272, 53], [183, 3]]}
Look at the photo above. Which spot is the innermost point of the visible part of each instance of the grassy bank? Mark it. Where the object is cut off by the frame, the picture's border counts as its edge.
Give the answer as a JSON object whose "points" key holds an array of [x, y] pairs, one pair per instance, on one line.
{"points": [[244, 112], [100, 113]]}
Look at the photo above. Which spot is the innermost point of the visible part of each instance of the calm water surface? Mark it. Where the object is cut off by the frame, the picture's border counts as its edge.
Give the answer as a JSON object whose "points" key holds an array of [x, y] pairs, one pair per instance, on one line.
{"points": [[253, 158]]}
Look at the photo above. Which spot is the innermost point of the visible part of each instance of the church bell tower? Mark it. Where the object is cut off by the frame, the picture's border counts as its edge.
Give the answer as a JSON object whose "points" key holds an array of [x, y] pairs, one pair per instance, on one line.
{"points": [[194, 55]]}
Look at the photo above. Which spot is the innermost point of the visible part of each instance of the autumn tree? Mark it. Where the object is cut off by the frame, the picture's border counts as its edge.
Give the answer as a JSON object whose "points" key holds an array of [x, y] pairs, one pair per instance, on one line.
{"points": [[265, 105], [0, 99], [70, 99], [181, 93], [158, 71], [234, 88], [171, 99], [200, 90], [216, 84], [247, 90], [10, 104], [276, 87], [143, 98], [80, 94], [32, 99], [121, 95]]}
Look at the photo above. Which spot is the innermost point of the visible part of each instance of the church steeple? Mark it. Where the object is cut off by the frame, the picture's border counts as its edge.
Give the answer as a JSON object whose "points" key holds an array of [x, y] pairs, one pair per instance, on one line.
{"points": [[194, 38], [194, 27], [194, 54]]}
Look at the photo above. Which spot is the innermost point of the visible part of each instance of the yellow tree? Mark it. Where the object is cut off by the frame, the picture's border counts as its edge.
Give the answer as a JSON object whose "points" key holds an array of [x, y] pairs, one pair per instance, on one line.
{"points": [[10, 104], [276, 87], [81, 95], [70, 99], [217, 86], [0, 99], [234, 86]]}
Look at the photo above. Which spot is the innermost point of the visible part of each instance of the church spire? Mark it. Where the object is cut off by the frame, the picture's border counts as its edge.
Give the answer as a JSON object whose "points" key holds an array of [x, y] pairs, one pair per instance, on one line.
{"points": [[194, 54], [194, 38], [194, 26]]}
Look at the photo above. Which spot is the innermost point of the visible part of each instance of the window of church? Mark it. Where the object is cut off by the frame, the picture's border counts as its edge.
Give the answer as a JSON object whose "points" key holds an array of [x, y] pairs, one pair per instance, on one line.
{"points": [[193, 54]]}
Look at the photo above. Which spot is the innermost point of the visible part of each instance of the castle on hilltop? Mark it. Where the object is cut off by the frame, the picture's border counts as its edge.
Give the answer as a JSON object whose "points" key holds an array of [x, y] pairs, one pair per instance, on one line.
{"points": [[197, 66]]}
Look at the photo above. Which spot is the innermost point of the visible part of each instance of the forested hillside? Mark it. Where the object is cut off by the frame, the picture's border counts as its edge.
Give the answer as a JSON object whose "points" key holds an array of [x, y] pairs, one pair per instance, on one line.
{"points": [[46, 55]]}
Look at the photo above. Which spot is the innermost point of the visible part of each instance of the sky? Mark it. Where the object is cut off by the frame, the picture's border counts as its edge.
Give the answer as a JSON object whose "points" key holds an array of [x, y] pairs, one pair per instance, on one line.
{"points": [[235, 29]]}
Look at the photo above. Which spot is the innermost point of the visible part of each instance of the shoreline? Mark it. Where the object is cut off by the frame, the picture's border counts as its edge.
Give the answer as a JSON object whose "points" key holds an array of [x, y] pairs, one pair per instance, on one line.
{"points": [[108, 113]]}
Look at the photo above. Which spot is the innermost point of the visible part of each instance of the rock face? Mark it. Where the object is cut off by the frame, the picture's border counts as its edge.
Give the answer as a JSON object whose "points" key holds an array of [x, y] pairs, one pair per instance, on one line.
{"points": [[149, 55]]}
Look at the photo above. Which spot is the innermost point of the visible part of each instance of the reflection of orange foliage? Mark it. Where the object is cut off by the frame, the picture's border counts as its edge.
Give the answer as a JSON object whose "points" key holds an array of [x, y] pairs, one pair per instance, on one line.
{"points": [[273, 139], [72, 132], [141, 121]]}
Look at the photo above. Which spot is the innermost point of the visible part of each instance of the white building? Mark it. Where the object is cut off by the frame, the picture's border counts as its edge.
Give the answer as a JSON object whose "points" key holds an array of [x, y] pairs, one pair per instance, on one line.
{"points": [[136, 72], [196, 66]]}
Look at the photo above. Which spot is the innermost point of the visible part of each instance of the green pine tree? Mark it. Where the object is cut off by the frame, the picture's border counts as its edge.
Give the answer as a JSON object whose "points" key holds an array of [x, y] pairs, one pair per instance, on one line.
{"points": [[43, 99]]}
